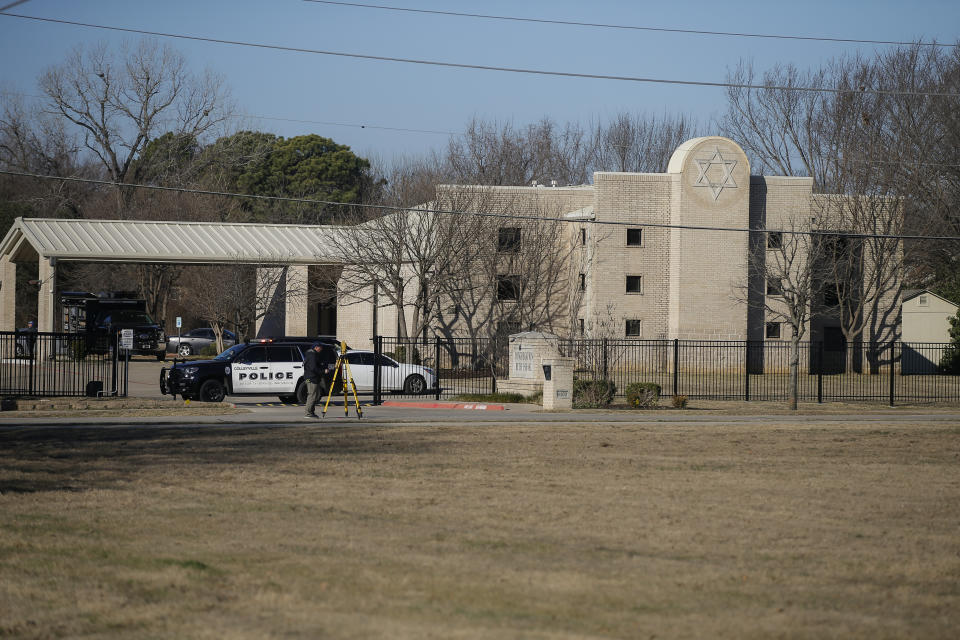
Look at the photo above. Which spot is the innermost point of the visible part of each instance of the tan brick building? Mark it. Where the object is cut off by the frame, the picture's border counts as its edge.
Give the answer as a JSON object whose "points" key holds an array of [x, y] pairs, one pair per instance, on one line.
{"points": [[644, 258]]}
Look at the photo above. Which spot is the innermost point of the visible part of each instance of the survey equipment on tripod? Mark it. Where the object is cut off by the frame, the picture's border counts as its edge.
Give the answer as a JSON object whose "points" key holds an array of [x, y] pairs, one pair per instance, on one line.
{"points": [[342, 371]]}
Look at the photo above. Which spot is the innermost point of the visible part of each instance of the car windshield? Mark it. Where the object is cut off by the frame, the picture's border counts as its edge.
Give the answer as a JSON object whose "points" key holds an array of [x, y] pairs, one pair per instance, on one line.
{"points": [[129, 316], [231, 352]]}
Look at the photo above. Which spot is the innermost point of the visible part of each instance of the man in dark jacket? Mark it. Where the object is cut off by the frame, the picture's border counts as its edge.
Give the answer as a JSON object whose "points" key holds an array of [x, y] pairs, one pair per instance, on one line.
{"points": [[316, 371]]}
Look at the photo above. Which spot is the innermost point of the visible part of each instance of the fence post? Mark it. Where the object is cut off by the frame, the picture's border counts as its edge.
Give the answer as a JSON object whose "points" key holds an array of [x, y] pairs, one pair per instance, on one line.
{"points": [[893, 346], [377, 374], [676, 365], [746, 374], [606, 364], [436, 363], [32, 352], [820, 372]]}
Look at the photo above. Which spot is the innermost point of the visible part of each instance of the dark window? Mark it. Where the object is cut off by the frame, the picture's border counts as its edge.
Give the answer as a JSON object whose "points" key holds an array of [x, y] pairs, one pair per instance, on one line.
{"points": [[774, 239], [583, 236], [283, 353], [254, 354], [831, 295], [581, 326], [634, 284], [508, 239], [634, 328], [360, 358], [773, 330], [583, 281], [386, 362], [634, 237], [774, 288], [508, 287]]}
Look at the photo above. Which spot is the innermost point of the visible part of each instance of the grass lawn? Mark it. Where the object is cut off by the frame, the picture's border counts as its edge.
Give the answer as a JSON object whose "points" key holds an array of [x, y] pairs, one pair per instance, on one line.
{"points": [[823, 530]]}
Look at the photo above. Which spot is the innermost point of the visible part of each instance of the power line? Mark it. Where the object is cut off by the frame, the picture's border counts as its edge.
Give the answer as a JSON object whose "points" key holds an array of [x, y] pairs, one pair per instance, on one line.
{"points": [[630, 27], [482, 214], [480, 67], [347, 124], [356, 125]]}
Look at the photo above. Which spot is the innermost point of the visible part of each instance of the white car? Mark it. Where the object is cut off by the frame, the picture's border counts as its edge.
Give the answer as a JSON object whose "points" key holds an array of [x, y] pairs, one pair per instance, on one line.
{"points": [[394, 376]]}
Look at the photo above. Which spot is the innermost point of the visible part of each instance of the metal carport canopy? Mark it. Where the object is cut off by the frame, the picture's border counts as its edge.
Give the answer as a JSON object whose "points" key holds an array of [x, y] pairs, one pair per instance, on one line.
{"points": [[178, 242]]}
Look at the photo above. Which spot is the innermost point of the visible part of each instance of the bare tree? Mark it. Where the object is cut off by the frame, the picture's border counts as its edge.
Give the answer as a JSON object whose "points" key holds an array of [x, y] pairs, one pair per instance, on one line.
{"points": [[785, 282], [638, 142], [495, 154], [237, 295], [119, 102]]}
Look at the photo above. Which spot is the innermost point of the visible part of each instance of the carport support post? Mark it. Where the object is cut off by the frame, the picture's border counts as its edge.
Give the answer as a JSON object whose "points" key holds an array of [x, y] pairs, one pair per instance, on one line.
{"points": [[48, 285], [8, 294]]}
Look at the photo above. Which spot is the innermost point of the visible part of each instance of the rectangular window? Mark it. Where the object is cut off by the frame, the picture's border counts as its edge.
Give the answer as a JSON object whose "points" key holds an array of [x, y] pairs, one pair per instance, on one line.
{"points": [[634, 284], [581, 326], [508, 240], [583, 237], [634, 328], [922, 301], [508, 287], [634, 237], [831, 295], [773, 330], [583, 281], [774, 287], [774, 239]]}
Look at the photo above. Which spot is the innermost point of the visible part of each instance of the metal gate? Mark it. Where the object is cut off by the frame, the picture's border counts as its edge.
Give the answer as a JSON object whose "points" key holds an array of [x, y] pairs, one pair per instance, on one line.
{"points": [[461, 366]]}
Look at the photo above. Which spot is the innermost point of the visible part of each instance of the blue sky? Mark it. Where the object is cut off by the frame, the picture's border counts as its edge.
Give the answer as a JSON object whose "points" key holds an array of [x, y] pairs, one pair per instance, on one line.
{"points": [[300, 86]]}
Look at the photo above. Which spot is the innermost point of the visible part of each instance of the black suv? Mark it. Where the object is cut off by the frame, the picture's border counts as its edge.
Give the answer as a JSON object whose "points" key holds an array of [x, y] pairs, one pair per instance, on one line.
{"points": [[270, 366]]}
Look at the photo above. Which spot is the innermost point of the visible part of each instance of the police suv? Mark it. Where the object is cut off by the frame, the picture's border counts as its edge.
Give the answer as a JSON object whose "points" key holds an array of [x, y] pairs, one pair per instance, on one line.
{"points": [[272, 366]]}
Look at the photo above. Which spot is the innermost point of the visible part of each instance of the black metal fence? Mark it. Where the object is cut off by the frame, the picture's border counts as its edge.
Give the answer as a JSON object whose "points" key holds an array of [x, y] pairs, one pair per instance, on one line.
{"points": [[462, 366], [732, 370], [747, 370], [60, 364]]}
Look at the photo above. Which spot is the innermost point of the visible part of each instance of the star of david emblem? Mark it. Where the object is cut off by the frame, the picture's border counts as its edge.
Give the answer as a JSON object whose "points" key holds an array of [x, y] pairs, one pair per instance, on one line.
{"points": [[726, 180]]}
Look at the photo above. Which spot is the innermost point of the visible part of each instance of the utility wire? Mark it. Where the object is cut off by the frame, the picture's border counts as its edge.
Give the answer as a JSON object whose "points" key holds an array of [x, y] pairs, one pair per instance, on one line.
{"points": [[347, 124], [356, 125], [480, 67], [481, 214], [629, 27]]}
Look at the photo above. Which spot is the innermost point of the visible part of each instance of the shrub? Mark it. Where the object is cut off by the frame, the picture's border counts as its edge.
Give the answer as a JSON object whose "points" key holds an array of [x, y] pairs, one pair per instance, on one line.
{"points": [[950, 362], [679, 402], [642, 395], [592, 394]]}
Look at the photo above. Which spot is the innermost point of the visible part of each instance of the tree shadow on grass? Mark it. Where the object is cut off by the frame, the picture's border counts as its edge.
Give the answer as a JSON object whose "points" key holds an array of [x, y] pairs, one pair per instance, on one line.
{"points": [[79, 458]]}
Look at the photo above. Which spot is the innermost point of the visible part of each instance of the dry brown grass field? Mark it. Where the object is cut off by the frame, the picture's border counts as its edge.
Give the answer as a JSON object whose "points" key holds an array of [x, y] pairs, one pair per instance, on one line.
{"points": [[821, 530]]}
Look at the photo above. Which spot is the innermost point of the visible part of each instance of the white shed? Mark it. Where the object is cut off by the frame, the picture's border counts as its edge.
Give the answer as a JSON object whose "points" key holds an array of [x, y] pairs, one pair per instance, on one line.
{"points": [[926, 317], [926, 327]]}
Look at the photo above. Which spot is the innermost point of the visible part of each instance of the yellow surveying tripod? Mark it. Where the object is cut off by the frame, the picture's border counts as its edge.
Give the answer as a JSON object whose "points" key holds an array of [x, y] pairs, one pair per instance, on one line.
{"points": [[343, 365]]}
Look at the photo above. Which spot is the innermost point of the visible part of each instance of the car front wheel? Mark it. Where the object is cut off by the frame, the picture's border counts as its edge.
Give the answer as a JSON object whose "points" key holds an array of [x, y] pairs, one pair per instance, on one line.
{"points": [[414, 384], [184, 350], [212, 391]]}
